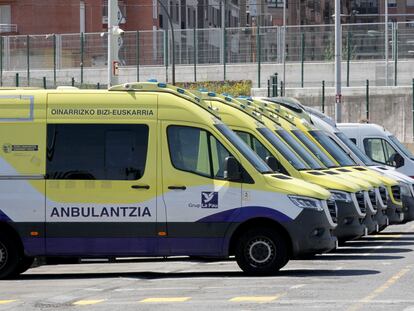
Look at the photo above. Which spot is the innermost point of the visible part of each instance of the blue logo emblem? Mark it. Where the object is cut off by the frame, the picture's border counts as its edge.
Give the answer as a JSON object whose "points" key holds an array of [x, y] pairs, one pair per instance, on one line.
{"points": [[209, 199]]}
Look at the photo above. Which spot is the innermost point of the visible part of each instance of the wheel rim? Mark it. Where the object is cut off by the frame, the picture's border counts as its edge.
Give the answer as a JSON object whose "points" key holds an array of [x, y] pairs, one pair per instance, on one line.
{"points": [[261, 251], [3, 255]]}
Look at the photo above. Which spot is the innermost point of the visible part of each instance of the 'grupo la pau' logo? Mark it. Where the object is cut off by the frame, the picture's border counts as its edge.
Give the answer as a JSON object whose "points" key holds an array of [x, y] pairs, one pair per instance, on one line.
{"points": [[7, 148], [209, 199]]}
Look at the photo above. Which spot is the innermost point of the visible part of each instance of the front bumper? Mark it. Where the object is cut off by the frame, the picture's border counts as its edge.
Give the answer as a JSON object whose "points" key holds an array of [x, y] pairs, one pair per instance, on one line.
{"points": [[408, 206], [394, 213], [349, 222], [311, 233], [381, 219]]}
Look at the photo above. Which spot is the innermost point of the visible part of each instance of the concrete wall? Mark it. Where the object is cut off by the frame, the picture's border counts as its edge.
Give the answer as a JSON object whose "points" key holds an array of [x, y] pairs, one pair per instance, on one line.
{"points": [[391, 107], [314, 73]]}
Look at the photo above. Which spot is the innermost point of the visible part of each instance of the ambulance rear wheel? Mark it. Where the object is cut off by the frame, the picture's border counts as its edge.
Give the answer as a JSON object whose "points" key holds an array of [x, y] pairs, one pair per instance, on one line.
{"points": [[9, 257], [261, 252]]}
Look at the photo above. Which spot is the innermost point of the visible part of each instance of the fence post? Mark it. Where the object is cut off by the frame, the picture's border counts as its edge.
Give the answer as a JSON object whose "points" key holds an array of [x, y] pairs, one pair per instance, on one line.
{"points": [[166, 53], [54, 60], [28, 59], [413, 105], [275, 90], [258, 53], [348, 57], [282, 88], [195, 52], [44, 83], [17, 80], [323, 96], [268, 87], [137, 53], [367, 101], [395, 54], [1, 60], [302, 58], [73, 81], [224, 53], [81, 60], [98, 86]]}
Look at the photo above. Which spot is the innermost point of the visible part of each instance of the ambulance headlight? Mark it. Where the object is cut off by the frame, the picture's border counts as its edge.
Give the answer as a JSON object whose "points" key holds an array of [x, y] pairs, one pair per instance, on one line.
{"points": [[306, 203], [340, 196]]}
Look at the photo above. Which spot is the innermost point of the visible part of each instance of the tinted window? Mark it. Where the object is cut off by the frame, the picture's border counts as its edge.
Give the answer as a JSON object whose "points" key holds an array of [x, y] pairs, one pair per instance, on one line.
{"points": [[332, 148], [189, 149], [299, 149], [401, 147], [355, 150], [283, 149], [253, 143], [197, 151], [96, 151], [244, 149], [379, 150], [314, 148], [375, 150]]}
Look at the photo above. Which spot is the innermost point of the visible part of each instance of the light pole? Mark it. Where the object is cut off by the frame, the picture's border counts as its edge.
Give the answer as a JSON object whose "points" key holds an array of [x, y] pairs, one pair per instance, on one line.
{"points": [[338, 59], [172, 38], [386, 43], [284, 47]]}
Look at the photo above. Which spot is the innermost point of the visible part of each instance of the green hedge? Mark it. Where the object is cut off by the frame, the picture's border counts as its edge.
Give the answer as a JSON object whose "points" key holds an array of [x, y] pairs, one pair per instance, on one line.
{"points": [[234, 88]]}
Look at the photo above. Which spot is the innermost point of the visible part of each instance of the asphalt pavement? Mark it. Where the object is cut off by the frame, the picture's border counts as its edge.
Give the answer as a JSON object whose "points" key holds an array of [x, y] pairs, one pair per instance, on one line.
{"points": [[373, 273]]}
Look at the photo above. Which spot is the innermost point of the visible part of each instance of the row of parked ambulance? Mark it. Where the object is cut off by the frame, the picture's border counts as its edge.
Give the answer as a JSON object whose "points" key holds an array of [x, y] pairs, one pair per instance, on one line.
{"points": [[151, 169]]}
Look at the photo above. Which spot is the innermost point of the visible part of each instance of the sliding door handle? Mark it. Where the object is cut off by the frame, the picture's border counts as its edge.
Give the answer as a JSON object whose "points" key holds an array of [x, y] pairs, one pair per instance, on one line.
{"points": [[140, 187], [177, 187]]}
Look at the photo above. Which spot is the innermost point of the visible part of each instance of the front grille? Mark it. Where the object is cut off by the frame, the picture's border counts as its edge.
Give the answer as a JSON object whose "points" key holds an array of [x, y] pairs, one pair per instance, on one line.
{"points": [[361, 201], [373, 199], [332, 210], [396, 192], [383, 194]]}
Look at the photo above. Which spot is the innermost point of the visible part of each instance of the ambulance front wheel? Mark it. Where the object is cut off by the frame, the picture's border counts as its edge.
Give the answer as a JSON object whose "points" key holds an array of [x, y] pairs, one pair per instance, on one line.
{"points": [[9, 257], [261, 252]]}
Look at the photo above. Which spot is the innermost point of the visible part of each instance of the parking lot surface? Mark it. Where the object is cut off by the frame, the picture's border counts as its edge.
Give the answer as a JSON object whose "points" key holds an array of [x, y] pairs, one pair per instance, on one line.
{"points": [[373, 273]]}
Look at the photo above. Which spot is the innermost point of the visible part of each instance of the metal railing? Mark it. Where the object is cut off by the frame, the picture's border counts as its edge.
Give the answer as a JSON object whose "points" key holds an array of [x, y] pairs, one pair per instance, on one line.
{"points": [[213, 46]]}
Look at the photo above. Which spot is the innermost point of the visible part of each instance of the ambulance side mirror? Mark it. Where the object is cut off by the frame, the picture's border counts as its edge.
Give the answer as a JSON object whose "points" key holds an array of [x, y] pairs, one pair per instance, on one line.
{"points": [[399, 160], [232, 170]]}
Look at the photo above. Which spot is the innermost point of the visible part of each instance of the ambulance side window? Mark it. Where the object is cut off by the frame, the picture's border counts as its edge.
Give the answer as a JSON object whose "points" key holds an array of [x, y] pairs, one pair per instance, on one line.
{"points": [[96, 151], [196, 151]]}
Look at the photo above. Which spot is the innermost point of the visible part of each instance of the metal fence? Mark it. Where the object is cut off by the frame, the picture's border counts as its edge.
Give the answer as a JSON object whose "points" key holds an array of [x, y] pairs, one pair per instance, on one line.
{"points": [[213, 46]]}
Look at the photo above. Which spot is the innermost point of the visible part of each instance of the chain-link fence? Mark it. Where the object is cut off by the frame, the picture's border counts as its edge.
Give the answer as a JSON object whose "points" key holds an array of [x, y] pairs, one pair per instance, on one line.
{"points": [[214, 46]]}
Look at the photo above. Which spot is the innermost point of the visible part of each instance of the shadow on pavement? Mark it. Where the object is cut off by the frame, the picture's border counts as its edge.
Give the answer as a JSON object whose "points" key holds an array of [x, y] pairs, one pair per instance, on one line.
{"points": [[396, 233], [184, 275], [356, 250], [363, 243], [333, 257]]}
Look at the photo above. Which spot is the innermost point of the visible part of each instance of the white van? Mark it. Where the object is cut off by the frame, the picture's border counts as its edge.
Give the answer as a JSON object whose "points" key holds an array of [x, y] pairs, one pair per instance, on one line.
{"points": [[380, 146], [406, 183]]}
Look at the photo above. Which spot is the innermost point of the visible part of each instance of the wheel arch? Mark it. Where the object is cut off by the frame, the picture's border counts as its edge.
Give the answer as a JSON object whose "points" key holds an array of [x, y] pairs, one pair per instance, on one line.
{"points": [[11, 232], [259, 222]]}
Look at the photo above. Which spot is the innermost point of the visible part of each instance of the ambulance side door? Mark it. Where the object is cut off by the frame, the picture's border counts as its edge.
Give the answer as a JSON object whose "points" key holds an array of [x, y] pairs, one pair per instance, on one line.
{"points": [[101, 188], [199, 202]]}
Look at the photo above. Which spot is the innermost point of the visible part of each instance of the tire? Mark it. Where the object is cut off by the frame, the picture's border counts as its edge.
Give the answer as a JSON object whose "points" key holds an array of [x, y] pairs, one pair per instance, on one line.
{"points": [[25, 264], [9, 257], [261, 252]]}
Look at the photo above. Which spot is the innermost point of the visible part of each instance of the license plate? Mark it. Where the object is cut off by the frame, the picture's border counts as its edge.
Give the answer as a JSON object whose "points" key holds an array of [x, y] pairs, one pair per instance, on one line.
{"points": [[401, 216], [377, 228], [388, 221], [366, 231]]}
